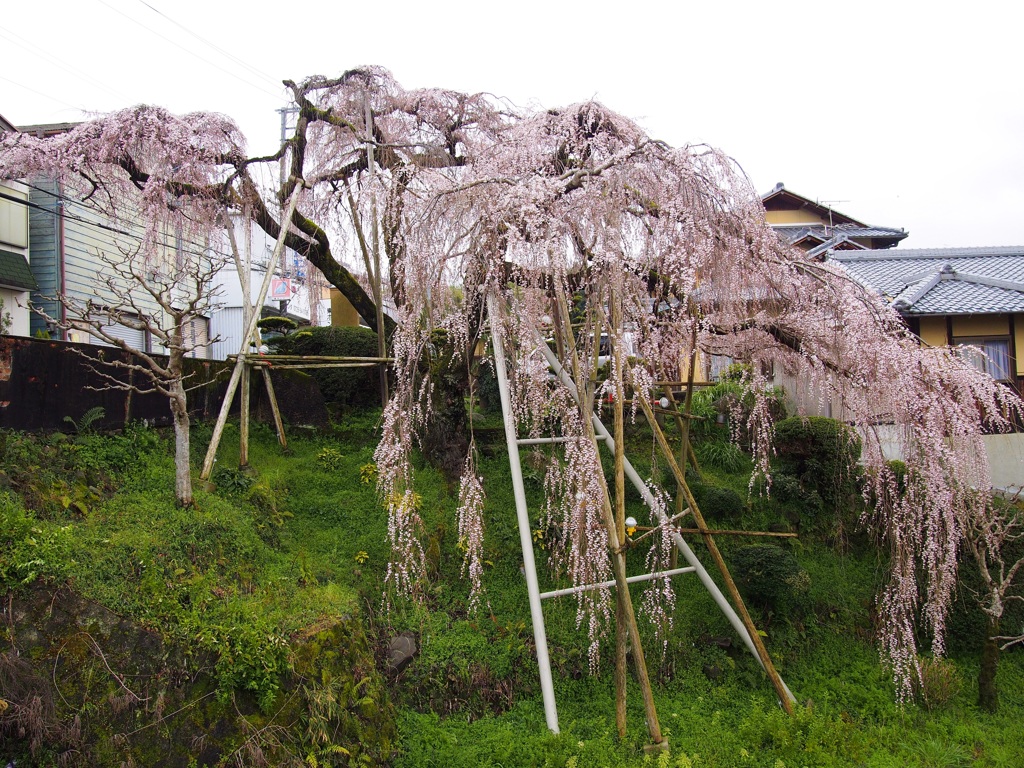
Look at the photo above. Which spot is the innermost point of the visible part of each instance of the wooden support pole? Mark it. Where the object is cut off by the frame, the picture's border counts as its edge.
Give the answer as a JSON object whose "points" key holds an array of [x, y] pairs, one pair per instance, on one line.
{"points": [[713, 531], [615, 545], [236, 374], [621, 630], [734, 593], [243, 420], [278, 424]]}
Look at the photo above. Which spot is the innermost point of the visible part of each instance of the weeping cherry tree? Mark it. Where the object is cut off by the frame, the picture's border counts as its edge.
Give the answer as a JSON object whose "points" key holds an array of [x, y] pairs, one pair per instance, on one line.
{"points": [[566, 216]]}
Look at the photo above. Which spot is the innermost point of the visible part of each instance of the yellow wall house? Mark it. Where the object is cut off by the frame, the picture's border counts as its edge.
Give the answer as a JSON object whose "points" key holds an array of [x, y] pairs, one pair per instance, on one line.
{"points": [[959, 296], [818, 228], [815, 228]]}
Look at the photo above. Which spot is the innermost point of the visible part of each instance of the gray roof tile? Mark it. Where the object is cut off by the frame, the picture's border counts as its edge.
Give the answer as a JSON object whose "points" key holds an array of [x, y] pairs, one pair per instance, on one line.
{"points": [[942, 281], [792, 233]]}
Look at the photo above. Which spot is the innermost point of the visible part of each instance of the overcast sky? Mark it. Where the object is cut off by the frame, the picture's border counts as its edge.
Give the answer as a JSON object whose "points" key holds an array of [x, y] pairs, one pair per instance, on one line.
{"points": [[901, 114]]}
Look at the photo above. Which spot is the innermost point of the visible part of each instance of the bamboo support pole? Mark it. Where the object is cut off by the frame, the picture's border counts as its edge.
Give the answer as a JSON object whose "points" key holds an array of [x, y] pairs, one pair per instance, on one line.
{"points": [[274, 409], [614, 544], [375, 277], [688, 402], [729, 532], [649, 530], [780, 689], [307, 366], [685, 447], [318, 359], [236, 374], [243, 421], [621, 631]]}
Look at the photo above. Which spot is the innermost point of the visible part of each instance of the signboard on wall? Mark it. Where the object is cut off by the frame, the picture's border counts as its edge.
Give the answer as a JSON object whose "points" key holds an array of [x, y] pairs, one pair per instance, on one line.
{"points": [[281, 288]]}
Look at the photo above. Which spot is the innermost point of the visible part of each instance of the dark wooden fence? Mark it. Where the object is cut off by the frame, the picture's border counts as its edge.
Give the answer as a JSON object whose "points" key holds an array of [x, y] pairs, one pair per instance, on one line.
{"points": [[43, 381]]}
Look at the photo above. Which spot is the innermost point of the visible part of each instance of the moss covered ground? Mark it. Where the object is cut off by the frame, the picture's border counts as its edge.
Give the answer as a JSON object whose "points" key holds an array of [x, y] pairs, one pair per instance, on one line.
{"points": [[245, 591]]}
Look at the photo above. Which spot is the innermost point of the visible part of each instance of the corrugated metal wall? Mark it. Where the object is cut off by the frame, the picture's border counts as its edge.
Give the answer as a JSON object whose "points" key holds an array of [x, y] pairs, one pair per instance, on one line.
{"points": [[226, 326]]}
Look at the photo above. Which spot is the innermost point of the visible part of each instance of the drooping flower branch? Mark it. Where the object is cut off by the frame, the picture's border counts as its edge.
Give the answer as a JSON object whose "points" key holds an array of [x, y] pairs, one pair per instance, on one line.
{"points": [[558, 212], [471, 530]]}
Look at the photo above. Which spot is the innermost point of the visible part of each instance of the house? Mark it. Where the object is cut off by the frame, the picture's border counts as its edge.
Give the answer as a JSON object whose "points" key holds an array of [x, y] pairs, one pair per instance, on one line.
{"points": [[968, 297], [295, 291], [818, 228], [954, 296], [16, 279], [72, 252]]}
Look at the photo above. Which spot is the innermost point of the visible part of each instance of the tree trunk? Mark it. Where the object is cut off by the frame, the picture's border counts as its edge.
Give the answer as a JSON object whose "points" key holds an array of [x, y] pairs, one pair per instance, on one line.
{"points": [[988, 693], [445, 435], [182, 468]]}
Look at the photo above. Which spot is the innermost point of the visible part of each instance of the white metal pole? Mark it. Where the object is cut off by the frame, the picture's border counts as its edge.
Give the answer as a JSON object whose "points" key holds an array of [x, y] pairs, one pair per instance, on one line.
{"points": [[648, 497], [525, 535], [611, 582]]}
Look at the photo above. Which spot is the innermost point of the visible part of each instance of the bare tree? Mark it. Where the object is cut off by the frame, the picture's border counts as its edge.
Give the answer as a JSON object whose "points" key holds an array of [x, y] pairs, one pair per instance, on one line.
{"points": [[163, 291], [990, 538], [155, 277]]}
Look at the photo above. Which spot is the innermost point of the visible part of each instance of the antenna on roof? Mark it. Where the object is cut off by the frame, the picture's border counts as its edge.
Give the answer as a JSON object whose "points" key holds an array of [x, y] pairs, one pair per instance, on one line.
{"points": [[828, 204]]}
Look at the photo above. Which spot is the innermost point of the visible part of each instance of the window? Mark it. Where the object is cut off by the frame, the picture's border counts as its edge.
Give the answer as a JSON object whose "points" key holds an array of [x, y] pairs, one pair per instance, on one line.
{"points": [[136, 338], [991, 355]]}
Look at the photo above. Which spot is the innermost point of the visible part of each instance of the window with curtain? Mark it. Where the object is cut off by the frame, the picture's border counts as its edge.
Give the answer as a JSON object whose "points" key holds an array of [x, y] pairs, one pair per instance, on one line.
{"points": [[991, 355]]}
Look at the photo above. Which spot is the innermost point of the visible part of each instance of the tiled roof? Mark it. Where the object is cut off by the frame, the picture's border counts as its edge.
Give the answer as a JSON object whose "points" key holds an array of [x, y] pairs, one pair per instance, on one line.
{"points": [[795, 233], [942, 281], [15, 273], [839, 242]]}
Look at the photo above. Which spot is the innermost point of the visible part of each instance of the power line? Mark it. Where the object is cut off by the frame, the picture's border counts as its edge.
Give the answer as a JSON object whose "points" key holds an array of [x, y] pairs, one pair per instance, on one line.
{"points": [[45, 55], [79, 107], [200, 38], [189, 51]]}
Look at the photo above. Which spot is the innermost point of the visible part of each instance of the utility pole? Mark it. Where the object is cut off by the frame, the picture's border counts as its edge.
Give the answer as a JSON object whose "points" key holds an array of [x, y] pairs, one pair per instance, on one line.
{"points": [[286, 126]]}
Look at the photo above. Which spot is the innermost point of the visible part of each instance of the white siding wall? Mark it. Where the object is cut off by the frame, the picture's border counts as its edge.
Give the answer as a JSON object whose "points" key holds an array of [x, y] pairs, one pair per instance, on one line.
{"points": [[16, 305], [1005, 455], [226, 326], [196, 332]]}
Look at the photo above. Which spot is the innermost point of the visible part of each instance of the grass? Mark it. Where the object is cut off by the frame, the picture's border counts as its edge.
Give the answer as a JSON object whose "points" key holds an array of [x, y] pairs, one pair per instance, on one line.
{"points": [[301, 537]]}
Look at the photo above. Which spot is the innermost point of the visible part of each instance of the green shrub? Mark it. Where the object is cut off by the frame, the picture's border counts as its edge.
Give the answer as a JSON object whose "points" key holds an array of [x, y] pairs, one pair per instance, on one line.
{"points": [[277, 324], [329, 458], [486, 388], [940, 682], [232, 481], [348, 388], [821, 456], [821, 452], [715, 406], [769, 577], [29, 548], [251, 654], [721, 504]]}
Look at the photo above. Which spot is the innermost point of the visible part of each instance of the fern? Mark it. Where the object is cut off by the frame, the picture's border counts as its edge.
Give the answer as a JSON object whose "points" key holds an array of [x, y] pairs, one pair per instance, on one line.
{"points": [[90, 417]]}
